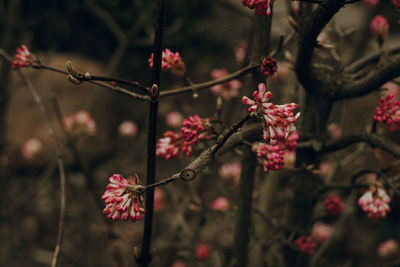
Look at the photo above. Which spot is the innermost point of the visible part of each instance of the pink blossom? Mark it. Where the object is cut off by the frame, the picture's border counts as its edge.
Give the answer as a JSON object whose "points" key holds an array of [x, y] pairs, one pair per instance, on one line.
{"points": [[203, 251], [262, 6], [23, 58], [333, 205], [375, 202], [221, 204], [305, 244], [173, 145], [289, 158], [174, 119], [170, 62], [390, 89], [123, 198], [269, 66], [388, 111], [230, 170], [388, 248], [270, 156], [179, 264], [128, 128], [371, 3], [291, 141], [240, 51], [334, 130], [321, 231], [80, 123], [279, 119], [31, 148], [159, 199], [325, 168], [397, 4], [226, 90], [379, 27]]}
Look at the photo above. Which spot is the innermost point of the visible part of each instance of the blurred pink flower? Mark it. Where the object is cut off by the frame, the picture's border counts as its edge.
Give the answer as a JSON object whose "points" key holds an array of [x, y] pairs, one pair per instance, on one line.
{"points": [[379, 27], [179, 264], [221, 204], [391, 89], [231, 170], [321, 231], [334, 130], [123, 198], [226, 90], [388, 248], [371, 3], [128, 129], [305, 244], [80, 123], [31, 148], [375, 201], [289, 157], [240, 51], [333, 205], [282, 73], [203, 251], [174, 119], [170, 62]]}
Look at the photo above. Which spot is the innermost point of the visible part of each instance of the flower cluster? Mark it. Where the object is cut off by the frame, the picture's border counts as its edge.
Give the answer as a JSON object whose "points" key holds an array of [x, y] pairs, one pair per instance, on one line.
{"points": [[269, 66], [128, 129], [375, 202], [291, 141], [388, 112], [170, 62], [226, 90], [379, 27], [123, 198], [173, 145], [270, 156], [80, 123], [23, 58], [388, 248], [305, 244], [279, 119], [333, 205], [397, 4], [262, 6], [31, 148]]}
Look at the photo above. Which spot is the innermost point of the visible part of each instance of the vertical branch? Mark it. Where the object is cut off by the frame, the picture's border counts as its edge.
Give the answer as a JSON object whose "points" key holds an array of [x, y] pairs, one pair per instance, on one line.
{"points": [[151, 142], [60, 162]]}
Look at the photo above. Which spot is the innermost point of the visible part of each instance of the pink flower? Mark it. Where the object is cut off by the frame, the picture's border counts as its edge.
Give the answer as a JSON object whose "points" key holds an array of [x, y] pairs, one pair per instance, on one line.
{"points": [[390, 89], [226, 90], [371, 3], [178, 264], [333, 205], [262, 6], [397, 4], [279, 119], [23, 58], [321, 231], [231, 170], [305, 244], [379, 27], [128, 129], [291, 141], [170, 62], [269, 66], [271, 157], [325, 168], [203, 251], [159, 201], [31, 148], [334, 130], [123, 198], [375, 202], [174, 119], [289, 157], [387, 248], [221, 204], [240, 51], [80, 123], [388, 112], [173, 145]]}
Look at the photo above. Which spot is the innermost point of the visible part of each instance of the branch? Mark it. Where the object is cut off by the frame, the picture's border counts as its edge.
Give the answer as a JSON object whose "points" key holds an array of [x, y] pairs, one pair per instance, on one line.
{"points": [[310, 31], [60, 161], [199, 86], [370, 82], [372, 139]]}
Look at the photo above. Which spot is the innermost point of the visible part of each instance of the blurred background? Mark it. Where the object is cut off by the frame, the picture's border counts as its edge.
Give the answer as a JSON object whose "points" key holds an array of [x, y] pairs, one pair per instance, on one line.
{"points": [[115, 38]]}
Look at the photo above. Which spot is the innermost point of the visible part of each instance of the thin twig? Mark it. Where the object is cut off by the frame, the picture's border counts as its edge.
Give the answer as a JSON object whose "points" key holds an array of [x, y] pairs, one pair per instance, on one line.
{"points": [[208, 84], [60, 162]]}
